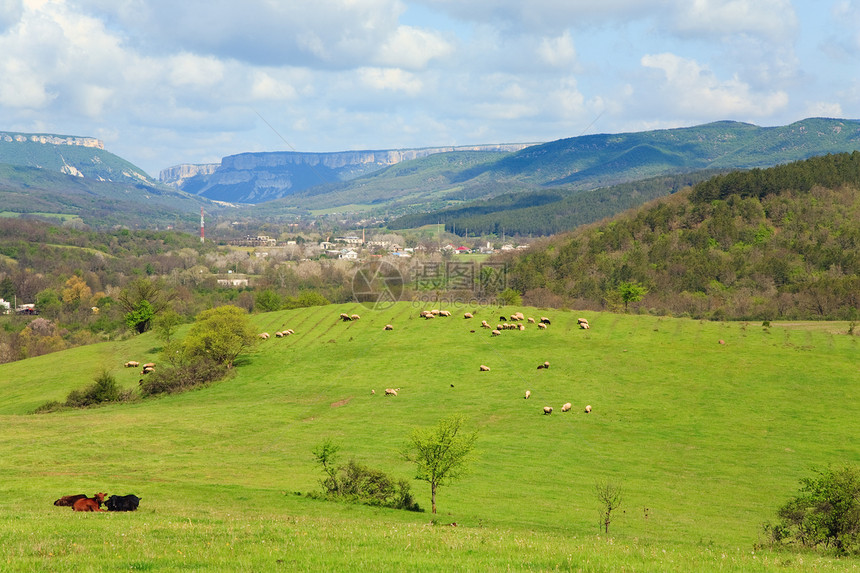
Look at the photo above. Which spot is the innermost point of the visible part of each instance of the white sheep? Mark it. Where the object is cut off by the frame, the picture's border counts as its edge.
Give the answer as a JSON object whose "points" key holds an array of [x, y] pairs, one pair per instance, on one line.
{"points": [[566, 408], [485, 368], [588, 409], [528, 394], [547, 410]]}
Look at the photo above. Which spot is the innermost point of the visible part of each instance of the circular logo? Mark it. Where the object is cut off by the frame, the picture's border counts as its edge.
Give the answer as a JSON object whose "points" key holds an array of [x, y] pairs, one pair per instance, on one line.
{"points": [[377, 285]]}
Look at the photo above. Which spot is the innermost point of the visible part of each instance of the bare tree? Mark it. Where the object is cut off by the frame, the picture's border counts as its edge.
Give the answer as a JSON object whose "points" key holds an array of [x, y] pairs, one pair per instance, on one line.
{"points": [[609, 496]]}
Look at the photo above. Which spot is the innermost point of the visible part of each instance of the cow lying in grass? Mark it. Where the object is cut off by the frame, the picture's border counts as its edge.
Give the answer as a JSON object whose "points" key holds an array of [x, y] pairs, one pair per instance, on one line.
{"points": [[69, 500], [122, 503], [90, 503]]}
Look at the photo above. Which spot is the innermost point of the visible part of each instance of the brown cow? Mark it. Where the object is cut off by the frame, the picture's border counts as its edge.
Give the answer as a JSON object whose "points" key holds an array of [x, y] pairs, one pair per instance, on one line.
{"points": [[69, 500], [90, 503]]}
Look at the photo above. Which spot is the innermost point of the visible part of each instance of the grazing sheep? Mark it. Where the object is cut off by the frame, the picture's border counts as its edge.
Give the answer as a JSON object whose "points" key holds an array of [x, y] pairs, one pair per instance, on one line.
{"points": [[503, 318], [566, 407], [132, 364], [149, 365], [289, 331], [496, 333], [279, 334], [373, 392], [147, 369], [543, 366], [519, 316], [583, 323], [427, 314], [388, 327], [468, 315], [722, 341], [588, 409], [547, 410], [542, 326], [264, 335], [485, 368], [522, 326], [544, 320], [435, 312], [354, 317], [485, 324], [528, 393], [531, 320], [345, 317], [391, 391], [444, 313]]}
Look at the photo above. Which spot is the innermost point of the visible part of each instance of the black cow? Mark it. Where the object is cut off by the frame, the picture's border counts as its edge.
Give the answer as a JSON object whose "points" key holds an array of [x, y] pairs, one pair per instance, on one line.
{"points": [[122, 502]]}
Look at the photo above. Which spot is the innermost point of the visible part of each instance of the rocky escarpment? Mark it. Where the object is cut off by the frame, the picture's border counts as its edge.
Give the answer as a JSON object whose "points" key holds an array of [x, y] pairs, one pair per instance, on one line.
{"points": [[259, 177], [179, 174], [52, 139], [73, 155]]}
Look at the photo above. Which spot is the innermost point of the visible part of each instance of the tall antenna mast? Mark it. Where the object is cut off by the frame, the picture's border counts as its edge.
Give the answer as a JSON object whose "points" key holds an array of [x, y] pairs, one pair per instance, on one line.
{"points": [[201, 224]]}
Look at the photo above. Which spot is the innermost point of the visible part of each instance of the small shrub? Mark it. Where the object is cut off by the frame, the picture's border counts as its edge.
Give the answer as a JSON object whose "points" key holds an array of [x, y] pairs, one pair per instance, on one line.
{"points": [[357, 483], [104, 389], [182, 377], [48, 407], [825, 513]]}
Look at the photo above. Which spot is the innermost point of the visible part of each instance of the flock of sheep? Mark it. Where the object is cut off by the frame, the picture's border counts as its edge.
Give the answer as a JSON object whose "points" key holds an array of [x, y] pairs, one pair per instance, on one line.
{"points": [[279, 334], [516, 323], [147, 368]]}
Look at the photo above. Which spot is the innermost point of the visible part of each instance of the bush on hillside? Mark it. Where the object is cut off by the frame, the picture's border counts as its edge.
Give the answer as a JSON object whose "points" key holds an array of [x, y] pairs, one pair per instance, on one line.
{"points": [[825, 513], [357, 483], [182, 376], [103, 390]]}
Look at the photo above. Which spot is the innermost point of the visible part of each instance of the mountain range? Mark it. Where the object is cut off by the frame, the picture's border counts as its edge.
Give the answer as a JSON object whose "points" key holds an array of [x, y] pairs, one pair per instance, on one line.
{"points": [[446, 182]]}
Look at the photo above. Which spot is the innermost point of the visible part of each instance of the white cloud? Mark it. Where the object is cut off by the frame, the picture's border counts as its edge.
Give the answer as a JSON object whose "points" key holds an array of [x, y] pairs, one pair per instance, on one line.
{"points": [[694, 91], [412, 48], [823, 109], [189, 70], [10, 13], [390, 79], [21, 86], [774, 20], [558, 51], [264, 86]]}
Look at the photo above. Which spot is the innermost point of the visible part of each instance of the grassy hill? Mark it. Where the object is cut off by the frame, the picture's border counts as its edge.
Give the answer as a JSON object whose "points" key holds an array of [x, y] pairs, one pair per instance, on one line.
{"points": [[706, 440]]}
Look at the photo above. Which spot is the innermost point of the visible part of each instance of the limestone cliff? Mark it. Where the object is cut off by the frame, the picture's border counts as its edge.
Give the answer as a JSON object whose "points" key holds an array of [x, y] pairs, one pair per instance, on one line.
{"points": [[259, 177], [52, 139]]}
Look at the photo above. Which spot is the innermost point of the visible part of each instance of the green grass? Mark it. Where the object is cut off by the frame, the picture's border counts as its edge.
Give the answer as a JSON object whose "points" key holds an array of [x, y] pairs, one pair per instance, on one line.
{"points": [[710, 438]]}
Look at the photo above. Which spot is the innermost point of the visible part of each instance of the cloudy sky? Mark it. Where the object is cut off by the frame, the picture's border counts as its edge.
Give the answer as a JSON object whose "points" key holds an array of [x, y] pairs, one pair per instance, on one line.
{"points": [[164, 82]]}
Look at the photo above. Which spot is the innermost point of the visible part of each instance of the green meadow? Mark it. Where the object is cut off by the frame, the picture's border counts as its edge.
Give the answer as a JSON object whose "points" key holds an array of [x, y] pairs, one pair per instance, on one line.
{"points": [[706, 439]]}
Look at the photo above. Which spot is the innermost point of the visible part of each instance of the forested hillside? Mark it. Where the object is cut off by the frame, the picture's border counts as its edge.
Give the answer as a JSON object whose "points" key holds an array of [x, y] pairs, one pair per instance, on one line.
{"points": [[552, 211], [782, 242]]}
